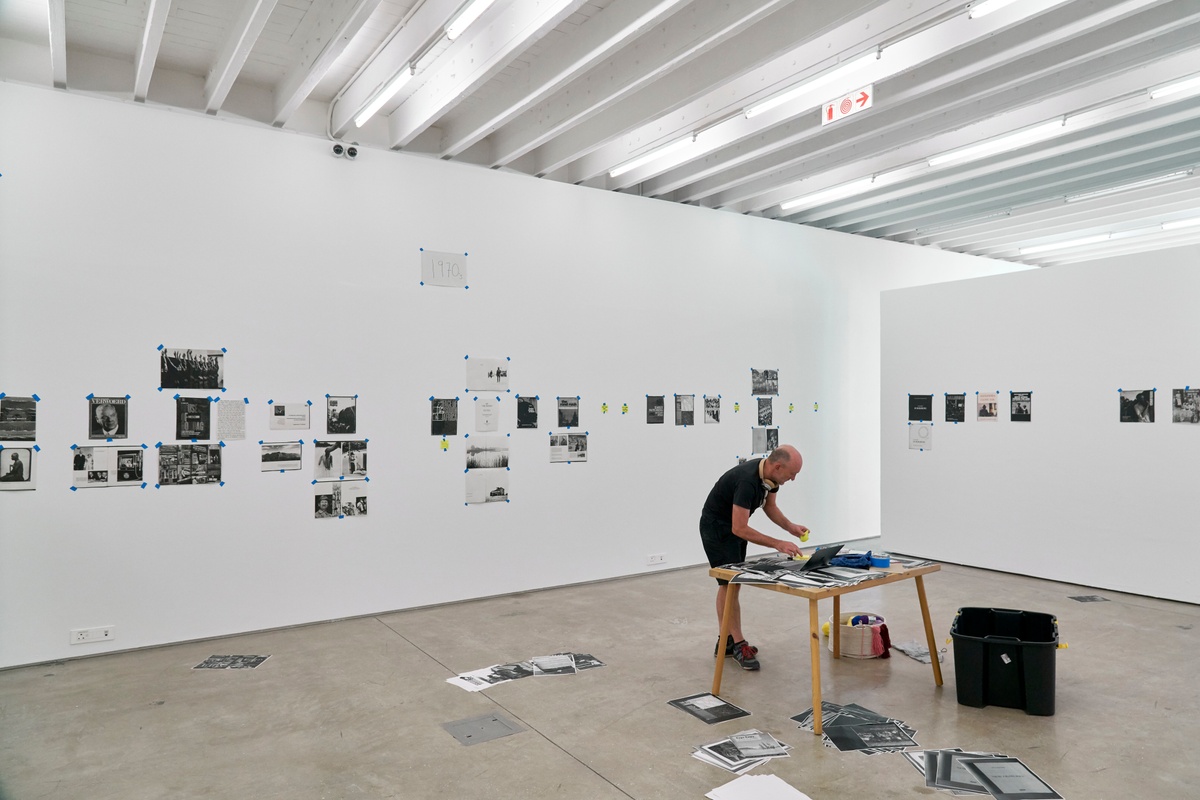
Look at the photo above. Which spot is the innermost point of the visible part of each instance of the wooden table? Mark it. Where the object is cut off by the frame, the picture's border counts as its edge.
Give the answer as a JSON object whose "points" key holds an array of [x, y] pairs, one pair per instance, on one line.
{"points": [[814, 593]]}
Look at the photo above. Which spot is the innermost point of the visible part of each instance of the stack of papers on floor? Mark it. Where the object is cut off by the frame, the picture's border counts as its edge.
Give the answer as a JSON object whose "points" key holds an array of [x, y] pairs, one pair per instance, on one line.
{"points": [[977, 774], [557, 664], [757, 787], [742, 751], [852, 727]]}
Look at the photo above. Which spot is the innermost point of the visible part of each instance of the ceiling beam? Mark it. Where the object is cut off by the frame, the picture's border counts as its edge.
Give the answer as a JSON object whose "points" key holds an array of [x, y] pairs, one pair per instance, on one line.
{"points": [[564, 61], [237, 49], [57, 21], [688, 34], [471, 60], [147, 52], [339, 21], [415, 33]]}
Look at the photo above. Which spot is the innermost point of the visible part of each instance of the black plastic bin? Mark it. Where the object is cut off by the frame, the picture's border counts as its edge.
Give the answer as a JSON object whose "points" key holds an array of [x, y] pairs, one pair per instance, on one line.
{"points": [[1005, 658]]}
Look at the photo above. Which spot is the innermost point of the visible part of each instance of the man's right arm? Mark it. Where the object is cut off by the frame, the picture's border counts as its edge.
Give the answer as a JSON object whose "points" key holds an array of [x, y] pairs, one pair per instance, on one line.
{"points": [[741, 528]]}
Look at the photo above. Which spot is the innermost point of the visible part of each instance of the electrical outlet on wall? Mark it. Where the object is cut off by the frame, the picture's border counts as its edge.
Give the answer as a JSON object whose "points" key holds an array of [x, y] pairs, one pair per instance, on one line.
{"points": [[104, 633], [654, 559]]}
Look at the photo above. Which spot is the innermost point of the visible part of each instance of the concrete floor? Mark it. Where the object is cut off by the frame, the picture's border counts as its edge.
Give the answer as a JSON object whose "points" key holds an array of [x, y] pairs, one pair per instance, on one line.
{"points": [[354, 709]]}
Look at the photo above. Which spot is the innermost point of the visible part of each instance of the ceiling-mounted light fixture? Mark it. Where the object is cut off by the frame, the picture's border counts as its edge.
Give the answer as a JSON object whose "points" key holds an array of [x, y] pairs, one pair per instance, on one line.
{"points": [[386, 93], [1176, 88], [1176, 224], [1125, 187], [653, 155], [982, 9], [466, 15], [1086, 240], [824, 79], [1002, 144]]}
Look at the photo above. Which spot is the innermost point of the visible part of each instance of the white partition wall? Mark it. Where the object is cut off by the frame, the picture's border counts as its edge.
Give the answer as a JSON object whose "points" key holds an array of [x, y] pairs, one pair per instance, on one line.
{"points": [[126, 227], [1073, 494]]}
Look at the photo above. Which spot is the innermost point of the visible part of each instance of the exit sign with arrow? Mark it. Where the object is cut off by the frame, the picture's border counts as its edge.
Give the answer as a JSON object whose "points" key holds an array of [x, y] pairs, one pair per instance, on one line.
{"points": [[858, 100]]}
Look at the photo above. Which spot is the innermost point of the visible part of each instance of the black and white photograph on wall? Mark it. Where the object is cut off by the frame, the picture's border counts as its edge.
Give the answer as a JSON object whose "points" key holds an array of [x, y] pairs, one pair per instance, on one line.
{"points": [[182, 368], [527, 411], [487, 486], [192, 420], [765, 411], [330, 457], [443, 416], [568, 447], [763, 440], [1137, 405], [920, 436], [685, 409], [18, 419], [487, 452], [354, 458], [764, 381], [656, 409], [180, 464], [289, 416], [17, 469], [95, 467], [281, 456], [956, 407], [568, 412], [487, 374], [1022, 407], [327, 500], [108, 418], [712, 410], [920, 408], [354, 498], [340, 415], [1185, 405], [987, 406]]}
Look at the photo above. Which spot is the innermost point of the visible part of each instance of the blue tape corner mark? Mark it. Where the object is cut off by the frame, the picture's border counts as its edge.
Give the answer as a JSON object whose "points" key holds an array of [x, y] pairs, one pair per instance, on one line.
{"points": [[144, 484], [222, 483], [355, 397], [465, 471], [365, 478], [223, 350], [260, 441], [223, 389], [309, 402], [128, 397], [466, 287], [341, 477], [314, 483], [74, 446], [176, 397], [160, 347], [326, 395], [157, 445], [74, 488], [422, 283], [89, 397], [194, 441], [37, 448], [468, 355], [246, 400], [109, 439], [301, 441]]}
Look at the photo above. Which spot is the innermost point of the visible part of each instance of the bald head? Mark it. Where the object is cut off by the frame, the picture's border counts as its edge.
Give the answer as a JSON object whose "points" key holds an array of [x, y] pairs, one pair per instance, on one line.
{"points": [[783, 464]]}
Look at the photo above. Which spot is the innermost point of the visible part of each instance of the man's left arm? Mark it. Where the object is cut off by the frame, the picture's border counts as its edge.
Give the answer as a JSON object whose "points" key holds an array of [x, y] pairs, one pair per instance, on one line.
{"points": [[776, 515]]}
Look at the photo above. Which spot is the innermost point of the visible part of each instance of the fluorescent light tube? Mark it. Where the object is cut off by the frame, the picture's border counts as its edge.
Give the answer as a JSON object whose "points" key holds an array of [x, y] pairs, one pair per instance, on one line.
{"points": [[1181, 223], [1124, 187], [837, 73], [1086, 240], [385, 94], [653, 155], [1176, 88], [825, 195], [1010, 142], [469, 14], [986, 7]]}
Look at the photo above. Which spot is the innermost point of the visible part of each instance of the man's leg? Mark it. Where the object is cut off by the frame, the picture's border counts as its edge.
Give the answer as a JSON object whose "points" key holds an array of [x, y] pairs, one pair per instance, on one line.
{"points": [[735, 612]]}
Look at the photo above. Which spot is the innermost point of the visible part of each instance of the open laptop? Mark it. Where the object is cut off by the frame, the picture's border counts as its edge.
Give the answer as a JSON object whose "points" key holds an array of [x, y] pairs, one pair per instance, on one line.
{"points": [[821, 557]]}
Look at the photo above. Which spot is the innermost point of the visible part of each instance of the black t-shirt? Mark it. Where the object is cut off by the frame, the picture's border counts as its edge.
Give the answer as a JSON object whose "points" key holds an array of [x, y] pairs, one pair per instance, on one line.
{"points": [[740, 486]]}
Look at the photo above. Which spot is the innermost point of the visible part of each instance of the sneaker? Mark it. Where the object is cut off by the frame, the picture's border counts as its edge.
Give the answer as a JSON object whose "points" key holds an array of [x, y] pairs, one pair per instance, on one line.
{"points": [[728, 647], [744, 654]]}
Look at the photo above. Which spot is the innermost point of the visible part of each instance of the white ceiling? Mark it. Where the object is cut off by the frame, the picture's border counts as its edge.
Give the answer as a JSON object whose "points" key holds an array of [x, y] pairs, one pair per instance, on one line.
{"points": [[569, 90]]}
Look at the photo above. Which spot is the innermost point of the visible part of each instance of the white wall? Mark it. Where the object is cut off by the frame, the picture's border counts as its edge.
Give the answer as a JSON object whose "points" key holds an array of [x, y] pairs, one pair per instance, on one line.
{"points": [[1073, 495], [123, 227]]}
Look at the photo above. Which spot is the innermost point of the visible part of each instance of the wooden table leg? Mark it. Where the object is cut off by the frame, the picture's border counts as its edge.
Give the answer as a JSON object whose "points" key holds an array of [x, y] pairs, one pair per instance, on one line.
{"points": [[933, 649], [814, 633], [731, 594], [836, 626]]}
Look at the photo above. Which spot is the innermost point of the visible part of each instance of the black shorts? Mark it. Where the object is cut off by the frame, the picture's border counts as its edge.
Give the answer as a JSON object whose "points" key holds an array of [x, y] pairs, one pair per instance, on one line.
{"points": [[720, 544]]}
